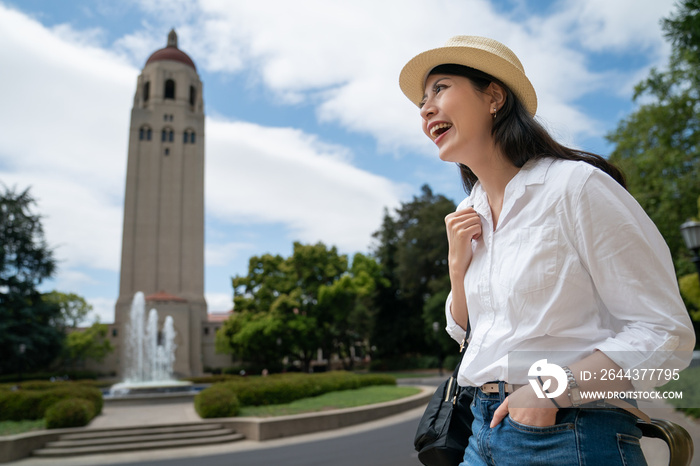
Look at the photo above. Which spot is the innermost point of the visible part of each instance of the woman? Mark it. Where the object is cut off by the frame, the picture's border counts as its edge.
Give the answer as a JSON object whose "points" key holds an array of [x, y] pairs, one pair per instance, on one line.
{"points": [[555, 267]]}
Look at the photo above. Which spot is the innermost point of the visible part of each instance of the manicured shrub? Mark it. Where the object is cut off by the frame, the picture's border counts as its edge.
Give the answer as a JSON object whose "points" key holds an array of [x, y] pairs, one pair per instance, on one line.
{"points": [[284, 388], [69, 412], [33, 399], [216, 401]]}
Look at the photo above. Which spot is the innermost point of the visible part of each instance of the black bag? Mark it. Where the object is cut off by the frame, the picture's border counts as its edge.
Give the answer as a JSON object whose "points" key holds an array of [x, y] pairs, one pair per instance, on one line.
{"points": [[444, 430]]}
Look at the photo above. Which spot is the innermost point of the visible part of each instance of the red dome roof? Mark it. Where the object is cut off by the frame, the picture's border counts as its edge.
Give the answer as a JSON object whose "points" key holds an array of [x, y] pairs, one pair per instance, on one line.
{"points": [[171, 52]]}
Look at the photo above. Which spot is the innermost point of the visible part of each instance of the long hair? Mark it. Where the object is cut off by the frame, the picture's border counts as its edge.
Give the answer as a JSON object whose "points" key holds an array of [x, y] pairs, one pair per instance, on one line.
{"points": [[518, 135]]}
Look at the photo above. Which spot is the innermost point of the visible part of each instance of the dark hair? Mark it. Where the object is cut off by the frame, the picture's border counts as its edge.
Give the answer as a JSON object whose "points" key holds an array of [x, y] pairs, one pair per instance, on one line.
{"points": [[518, 135]]}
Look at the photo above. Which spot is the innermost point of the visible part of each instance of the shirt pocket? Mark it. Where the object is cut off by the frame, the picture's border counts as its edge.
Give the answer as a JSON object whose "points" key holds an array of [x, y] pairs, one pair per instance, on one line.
{"points": [[530, 260]]}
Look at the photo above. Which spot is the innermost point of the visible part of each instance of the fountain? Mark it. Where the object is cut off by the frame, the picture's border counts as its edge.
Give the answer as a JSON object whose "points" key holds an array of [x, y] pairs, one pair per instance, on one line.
{"points": [[149, 355]]}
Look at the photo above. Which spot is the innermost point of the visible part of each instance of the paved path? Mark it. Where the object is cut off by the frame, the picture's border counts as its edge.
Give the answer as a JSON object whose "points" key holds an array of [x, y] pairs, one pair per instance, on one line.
{"points": [[385, 442]]}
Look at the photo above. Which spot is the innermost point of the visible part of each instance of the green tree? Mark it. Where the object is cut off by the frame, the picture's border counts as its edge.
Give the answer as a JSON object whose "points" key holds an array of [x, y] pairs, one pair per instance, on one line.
{"points": [[276, 305], [690, 286], [347, 305], [412, 250], [89, 343], [657, 145], [74, 308], [27, 322]]}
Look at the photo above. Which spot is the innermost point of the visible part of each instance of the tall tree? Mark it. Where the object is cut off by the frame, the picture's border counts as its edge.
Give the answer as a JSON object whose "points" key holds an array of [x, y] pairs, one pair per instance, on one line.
{"points": [[29, 335], [412, 250], [276, 305], [83, 344], [658, 144], [347, 307], [74, 308]]}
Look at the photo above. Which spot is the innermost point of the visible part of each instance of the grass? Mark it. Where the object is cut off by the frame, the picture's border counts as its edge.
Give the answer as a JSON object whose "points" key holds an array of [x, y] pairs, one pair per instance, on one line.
{"points": [[334, 400], [689, 385], [19, 427]]}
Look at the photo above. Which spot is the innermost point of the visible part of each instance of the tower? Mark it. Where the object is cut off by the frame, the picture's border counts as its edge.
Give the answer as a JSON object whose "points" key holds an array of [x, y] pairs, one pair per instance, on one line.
{"points": [[163, 237]]}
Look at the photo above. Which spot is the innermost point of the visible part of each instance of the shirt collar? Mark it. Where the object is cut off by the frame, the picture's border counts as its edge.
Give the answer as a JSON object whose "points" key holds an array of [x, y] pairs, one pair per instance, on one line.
{"points": [[533, 172]]}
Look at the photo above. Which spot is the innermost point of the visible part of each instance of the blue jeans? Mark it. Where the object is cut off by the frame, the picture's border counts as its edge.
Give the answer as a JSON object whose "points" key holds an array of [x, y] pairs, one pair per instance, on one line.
{"points": [[581, 436]]}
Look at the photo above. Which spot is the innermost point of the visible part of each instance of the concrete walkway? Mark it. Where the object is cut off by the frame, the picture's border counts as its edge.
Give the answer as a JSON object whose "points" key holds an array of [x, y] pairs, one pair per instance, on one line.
{"points": [[123, 417]]}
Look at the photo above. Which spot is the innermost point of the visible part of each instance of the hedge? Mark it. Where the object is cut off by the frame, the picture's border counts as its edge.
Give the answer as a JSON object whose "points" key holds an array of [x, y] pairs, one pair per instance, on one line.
{"points": [[69, 412], [285, 388], [217, 401], [33, 399]]}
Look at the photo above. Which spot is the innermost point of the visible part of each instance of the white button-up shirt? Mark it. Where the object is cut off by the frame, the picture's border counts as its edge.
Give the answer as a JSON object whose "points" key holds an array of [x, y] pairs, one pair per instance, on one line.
{"points": [[574, 265]]}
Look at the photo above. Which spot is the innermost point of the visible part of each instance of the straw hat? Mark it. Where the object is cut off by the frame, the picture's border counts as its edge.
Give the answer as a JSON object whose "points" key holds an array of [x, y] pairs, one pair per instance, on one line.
{"points": [[483, 54]]}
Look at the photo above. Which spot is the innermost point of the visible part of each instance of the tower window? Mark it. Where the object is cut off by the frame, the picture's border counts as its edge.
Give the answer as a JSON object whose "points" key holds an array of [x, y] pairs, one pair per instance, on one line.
{"points": [[188, 136], [193, 95], [169, 89], [167, 135], [146, 91], [167, 151], [145, 133]]}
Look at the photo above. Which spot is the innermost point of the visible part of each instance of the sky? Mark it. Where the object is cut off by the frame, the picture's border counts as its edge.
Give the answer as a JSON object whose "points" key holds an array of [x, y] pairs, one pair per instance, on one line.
{"points": [[308, 136]]}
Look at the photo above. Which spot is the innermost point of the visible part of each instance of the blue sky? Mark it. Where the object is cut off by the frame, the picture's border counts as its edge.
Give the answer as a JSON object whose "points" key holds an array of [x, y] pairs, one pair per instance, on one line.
{"points": [[308, 137]]}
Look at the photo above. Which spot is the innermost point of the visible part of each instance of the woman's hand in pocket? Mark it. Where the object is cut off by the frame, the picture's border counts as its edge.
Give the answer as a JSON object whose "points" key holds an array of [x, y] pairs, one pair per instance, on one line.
{"points": [[524, 407]]}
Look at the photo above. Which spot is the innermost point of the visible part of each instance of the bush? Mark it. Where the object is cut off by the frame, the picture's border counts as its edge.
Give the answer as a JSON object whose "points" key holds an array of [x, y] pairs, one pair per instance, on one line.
{"points": [[216, 401], [69, 412], [285, 388], [33, 399]]}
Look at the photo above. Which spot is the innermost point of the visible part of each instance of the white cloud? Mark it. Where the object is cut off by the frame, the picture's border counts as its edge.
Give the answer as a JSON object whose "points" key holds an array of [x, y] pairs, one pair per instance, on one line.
{"points": [[267, 175], [219, 302], [347, 55], [102, 310], [65, 129], [622, 25], [64, 134], [217, 254]]}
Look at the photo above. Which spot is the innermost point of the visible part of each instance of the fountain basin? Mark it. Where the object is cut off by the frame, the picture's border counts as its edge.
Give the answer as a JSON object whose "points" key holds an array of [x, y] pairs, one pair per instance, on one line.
{"points": [[129, 389]]}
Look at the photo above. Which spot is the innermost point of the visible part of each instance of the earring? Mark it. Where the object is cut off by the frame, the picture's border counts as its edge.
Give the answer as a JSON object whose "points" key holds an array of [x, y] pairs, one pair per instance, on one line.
{"points": [[494, 112]]}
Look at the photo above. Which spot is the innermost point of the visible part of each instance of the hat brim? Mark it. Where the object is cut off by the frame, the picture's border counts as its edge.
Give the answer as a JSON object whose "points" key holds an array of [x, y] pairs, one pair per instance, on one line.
{"points": [[413, 75]]}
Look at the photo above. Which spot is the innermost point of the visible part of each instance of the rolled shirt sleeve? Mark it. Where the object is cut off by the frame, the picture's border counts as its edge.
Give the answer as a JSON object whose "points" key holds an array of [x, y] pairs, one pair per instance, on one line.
{"points": [[453, 329], [632, 271]]}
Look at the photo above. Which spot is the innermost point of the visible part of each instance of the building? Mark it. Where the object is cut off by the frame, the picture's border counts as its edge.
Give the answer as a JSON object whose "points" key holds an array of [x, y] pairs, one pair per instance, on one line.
{"points": [[163, 236]]}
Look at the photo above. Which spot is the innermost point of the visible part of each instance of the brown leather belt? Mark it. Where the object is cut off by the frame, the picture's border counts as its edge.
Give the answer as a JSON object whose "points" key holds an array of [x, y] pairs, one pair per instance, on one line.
{"points": [[492, 387]]}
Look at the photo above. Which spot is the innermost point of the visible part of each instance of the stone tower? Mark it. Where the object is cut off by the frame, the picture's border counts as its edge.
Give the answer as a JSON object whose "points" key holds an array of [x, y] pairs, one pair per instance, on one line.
{"points": [[163, 238]]}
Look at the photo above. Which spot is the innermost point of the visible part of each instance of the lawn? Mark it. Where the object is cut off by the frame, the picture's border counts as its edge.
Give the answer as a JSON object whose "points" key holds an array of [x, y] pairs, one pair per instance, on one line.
{"points": [[333, 400], [18, 427]]}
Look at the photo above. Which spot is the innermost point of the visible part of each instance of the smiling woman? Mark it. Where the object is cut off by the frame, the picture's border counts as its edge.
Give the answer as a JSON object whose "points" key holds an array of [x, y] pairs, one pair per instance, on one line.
{"points": [[544, 228]]}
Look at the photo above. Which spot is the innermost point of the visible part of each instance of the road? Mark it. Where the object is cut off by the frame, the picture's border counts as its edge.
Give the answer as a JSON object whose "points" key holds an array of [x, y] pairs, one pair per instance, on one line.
{"points": [[390, 445]]}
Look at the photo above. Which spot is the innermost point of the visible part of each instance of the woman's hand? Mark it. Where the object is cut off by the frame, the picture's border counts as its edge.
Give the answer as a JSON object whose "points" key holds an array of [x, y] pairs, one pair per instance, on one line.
{"points": [[462, 227], [531, 411]]}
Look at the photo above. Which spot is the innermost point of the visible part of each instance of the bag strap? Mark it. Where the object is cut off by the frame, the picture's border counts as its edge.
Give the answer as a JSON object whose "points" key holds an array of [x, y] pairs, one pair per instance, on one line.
{"points": [[462, 350]]}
